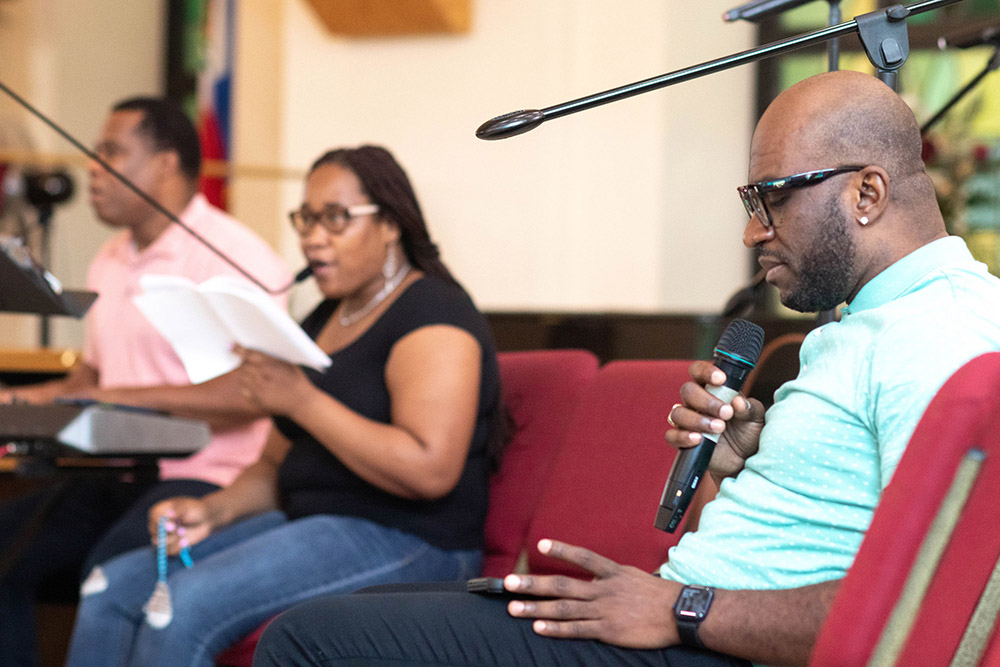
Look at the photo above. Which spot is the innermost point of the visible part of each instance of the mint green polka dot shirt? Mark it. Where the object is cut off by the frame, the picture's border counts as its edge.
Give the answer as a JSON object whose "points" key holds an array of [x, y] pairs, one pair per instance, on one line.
{"points": [[796, 514]]}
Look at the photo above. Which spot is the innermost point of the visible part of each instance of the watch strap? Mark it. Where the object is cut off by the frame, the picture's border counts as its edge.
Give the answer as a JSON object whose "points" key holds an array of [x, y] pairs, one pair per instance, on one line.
{"points": [[687, 629]]}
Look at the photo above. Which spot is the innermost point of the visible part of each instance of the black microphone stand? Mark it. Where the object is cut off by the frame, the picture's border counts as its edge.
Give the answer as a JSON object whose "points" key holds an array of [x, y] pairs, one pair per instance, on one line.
{"points": [[882, 32], [991, 65], [757, 10], [834, 16], [43, 191], [160, 208], [45, 212]]}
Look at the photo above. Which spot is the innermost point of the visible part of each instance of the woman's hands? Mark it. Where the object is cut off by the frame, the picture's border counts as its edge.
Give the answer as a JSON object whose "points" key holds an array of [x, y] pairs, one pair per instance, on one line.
{"points": [[739, 423], [275, 386], [192, 518], [254, 491]]}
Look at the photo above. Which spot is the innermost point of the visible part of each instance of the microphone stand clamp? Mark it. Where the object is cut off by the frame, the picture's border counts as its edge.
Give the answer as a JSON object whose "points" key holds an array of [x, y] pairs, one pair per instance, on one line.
{"points": [[884, 37]]}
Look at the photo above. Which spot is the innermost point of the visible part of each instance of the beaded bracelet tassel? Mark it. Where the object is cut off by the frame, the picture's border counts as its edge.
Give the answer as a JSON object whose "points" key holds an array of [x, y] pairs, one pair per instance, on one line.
{"points": [[159, 612]]}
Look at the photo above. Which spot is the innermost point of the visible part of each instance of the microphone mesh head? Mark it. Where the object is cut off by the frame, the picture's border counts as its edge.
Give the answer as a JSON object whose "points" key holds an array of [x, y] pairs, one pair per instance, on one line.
{"points": [[742, 339]]}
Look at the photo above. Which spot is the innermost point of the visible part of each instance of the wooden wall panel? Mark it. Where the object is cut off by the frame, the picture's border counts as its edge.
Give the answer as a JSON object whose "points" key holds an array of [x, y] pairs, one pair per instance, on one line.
{"points": [[369, 18]]}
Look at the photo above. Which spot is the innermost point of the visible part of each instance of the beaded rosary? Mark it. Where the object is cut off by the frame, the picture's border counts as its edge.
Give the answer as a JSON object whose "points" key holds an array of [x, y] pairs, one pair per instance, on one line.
{"points": [[158, 609]]}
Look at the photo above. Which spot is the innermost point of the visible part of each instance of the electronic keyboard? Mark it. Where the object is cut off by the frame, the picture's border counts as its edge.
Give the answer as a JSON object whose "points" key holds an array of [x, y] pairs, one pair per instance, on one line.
{"points": [[100, 429]]}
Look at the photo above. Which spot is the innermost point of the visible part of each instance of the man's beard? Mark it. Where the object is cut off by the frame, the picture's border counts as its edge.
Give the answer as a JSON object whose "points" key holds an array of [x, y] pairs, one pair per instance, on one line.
{"points": [[825, 271]]}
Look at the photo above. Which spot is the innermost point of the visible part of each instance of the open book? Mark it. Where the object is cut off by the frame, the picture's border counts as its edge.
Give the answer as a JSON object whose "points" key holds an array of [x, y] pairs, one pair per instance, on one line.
{"points": [[202, 322]]}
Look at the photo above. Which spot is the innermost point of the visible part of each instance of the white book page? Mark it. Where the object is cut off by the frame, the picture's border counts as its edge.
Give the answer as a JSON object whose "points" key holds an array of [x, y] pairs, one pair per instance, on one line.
{"points": [[183, 316], [258, 323]]}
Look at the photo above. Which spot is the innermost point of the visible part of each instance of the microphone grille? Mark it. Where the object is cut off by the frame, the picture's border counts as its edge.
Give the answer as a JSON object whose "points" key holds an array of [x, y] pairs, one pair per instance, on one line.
{"points": [[302, 275], [742, 339]]}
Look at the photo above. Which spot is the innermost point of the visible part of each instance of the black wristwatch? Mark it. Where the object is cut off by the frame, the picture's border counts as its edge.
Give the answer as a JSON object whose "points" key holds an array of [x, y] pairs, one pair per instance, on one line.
{"points": [[690, 610]]}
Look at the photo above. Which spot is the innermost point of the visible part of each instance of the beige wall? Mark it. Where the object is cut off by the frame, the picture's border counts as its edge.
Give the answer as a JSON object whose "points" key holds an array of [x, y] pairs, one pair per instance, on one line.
{"points": [[610, 209], [606, 209], [71, 60]]}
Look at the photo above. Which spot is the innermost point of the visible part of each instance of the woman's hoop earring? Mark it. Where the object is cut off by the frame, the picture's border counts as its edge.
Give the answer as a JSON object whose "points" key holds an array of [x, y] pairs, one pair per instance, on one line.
{"points": [[389, 268]]}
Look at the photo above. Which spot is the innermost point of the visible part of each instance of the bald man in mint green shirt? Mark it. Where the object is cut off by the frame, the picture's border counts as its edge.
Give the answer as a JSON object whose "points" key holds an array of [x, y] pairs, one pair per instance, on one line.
{"points": [[796, 514]]}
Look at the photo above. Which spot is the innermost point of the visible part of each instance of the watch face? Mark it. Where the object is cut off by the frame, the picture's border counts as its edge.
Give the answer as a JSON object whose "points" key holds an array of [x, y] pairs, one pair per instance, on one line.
{"points": [[693, 602]]}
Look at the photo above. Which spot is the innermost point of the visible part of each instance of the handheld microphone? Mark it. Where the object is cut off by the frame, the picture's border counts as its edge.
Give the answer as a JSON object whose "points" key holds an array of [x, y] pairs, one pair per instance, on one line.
{"points": [[983, 37], [736, 355]]}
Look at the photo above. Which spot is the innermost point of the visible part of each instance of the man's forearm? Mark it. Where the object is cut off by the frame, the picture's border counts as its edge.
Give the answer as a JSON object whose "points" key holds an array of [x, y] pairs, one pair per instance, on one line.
{"points": [[769, 627], [80, 379], [218, 402]]}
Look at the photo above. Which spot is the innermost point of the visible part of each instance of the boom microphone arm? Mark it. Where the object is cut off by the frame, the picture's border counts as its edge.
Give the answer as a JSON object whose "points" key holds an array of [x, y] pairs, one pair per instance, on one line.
{"points": [[160, 208], [882, 32]]}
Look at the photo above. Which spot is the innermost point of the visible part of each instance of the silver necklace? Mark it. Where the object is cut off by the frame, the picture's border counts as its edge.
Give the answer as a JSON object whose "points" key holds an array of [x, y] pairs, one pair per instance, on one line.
{"points": [[390, 285]]}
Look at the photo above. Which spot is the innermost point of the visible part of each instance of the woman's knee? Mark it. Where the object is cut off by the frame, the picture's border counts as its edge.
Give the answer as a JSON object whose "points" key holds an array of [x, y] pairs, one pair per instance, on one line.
{"points": [[123, 583]]}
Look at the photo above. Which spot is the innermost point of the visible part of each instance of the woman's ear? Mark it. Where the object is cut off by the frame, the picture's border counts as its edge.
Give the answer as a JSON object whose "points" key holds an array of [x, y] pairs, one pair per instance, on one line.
{"points": [[390, 230], [871, 198]]}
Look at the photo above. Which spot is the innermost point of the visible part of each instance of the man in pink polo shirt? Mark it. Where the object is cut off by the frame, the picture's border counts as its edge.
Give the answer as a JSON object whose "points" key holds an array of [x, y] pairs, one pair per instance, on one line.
{"points": [[88, 520]]}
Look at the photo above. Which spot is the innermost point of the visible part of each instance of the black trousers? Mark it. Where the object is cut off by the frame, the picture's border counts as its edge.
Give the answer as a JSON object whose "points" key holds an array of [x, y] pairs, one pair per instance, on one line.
{"points": [[50, 539], [439, 624]]}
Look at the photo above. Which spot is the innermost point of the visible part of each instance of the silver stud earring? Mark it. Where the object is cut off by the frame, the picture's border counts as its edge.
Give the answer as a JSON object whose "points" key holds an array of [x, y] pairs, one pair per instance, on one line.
{"points": [[863, 220]]}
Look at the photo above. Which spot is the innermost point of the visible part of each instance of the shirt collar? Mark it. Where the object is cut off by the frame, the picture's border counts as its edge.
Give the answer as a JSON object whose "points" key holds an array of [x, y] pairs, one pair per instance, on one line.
{"points": [[900, 276]]}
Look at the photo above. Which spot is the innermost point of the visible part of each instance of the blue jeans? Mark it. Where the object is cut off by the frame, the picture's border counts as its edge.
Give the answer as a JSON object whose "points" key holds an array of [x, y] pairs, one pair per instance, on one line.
{"points": [[45, 536], [241, 577]]}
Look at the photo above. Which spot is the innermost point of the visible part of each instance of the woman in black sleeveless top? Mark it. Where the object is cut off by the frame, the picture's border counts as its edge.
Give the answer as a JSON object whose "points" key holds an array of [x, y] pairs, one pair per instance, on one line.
{"points": [[376, 469]]}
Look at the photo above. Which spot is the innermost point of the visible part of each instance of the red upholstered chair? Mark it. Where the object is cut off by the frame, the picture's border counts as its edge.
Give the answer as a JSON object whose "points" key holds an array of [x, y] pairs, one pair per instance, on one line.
{"points": [[911, 597], [540, 388], [609, 474], [992, 657]]}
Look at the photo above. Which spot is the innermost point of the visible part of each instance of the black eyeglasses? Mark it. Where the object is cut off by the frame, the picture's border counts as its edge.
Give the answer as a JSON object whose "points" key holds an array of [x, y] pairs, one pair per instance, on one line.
{"points": [[752, 195], [334, 217]]}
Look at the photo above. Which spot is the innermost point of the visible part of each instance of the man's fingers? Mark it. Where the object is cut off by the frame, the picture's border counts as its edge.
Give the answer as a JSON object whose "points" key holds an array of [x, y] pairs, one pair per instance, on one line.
{"points": [[547, 586], [562, 609], [698, 400], [748, 409], [558, 618], [579, 556], [705, 372], [694, 415], [575, 629]]}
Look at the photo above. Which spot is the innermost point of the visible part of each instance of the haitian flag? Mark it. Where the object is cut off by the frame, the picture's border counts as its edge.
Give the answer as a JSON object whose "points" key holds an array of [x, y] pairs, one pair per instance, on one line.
{"points": [[217, 42]]}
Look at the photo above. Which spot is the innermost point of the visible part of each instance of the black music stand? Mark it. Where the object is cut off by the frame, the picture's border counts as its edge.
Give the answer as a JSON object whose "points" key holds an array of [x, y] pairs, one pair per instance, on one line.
{"points": [[25, 287]]}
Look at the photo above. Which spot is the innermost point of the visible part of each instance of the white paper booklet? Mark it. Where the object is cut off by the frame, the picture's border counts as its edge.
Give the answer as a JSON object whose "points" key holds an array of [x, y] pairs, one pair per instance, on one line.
{"points": [[202, 322]]}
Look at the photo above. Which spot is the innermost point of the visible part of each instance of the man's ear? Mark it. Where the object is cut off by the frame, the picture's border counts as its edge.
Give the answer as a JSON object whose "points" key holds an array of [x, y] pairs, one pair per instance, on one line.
{"points": [[871, 196], [168, 162]]}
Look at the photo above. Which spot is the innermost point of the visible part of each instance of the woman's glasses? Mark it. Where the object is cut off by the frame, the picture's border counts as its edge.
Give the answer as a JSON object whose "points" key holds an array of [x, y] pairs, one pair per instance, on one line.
{"points": [[334, 217]]}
